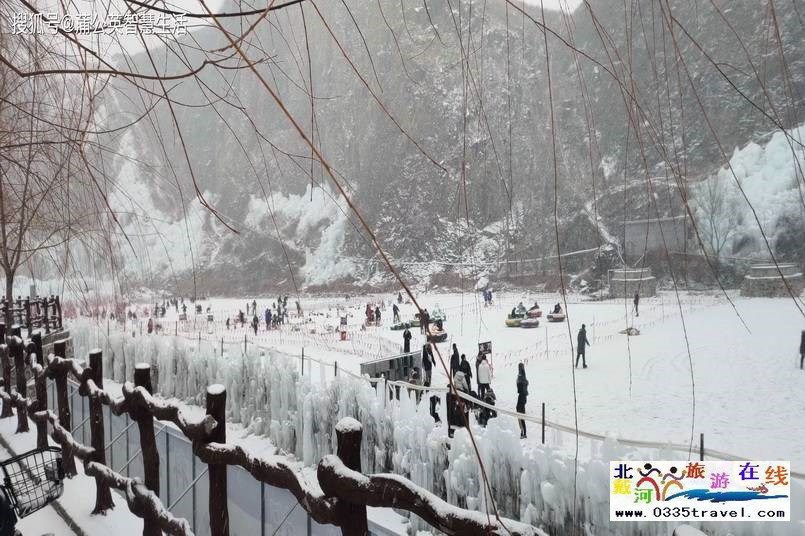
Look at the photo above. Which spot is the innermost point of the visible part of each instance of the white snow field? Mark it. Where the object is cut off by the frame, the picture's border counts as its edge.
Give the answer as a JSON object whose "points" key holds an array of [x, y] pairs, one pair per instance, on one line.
{"points": [[747, 393]]}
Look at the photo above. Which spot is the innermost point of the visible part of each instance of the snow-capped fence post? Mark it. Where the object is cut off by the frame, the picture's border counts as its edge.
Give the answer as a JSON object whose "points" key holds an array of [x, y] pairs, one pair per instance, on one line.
{"points": [[63, 402], [40, 383], [145, 422], [219, 511], [103, 495], [16, 350], [6, 379], [348, 434]]}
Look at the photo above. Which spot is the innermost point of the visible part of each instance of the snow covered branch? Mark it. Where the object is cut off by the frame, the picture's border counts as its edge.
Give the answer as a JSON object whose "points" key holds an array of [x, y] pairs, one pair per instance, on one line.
{"points": [[390, 490], [274, 471], [142, 502]]}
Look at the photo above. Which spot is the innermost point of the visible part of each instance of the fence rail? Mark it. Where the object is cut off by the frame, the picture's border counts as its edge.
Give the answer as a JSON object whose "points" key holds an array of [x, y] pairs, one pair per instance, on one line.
{"points": [[340, 497], [34, 313]]}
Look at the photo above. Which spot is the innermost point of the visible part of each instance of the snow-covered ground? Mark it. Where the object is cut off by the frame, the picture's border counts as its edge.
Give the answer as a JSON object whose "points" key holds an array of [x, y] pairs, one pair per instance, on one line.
{"points": [[747, 381]]}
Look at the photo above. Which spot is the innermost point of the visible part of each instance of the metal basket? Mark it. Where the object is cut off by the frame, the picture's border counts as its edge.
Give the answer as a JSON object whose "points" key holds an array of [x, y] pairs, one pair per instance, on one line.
{"points": [[34, 479]]}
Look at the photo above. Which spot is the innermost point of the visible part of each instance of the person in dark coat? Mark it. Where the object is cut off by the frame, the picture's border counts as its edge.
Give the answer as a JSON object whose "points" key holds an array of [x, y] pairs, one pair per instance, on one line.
{"points": [[582, 342], [636, 302], [268, 318], [399, 297], [522, 396], [484, 414], [455, 360], [427, 364], [227, 322], [802, 350], [406, 341], [377, 316], [255, 323], [456, 406], [396, 311], [424, 321], [466, 369]]}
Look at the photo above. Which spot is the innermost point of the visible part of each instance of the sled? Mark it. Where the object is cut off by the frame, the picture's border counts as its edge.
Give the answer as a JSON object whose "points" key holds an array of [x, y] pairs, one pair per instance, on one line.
{"points": [[400, 326], [556, 317], [534, 313], [415, 322], [437, 336], [513, 322], [529, 323]]}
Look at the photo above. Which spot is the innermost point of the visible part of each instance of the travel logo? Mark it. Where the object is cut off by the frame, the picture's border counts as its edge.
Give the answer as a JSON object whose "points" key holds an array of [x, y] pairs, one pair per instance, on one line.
{"points": [[704, 490]]}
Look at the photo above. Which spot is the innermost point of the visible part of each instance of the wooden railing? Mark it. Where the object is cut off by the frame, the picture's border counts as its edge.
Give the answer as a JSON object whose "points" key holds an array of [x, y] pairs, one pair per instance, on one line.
{"points": [[34, 313], [340, 499]]}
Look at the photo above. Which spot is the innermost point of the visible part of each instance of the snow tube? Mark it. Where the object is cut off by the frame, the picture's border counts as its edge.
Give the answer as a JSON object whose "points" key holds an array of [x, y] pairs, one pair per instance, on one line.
{"points": [[437, 336], [513, 322], [534, 313], [529, 323], [401, 326], [556, 317]]}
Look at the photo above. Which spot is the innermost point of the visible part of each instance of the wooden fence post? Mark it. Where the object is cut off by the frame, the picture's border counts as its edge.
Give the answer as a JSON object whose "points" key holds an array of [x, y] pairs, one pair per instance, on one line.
{"points": [[6, 379], [148, 444], [40, 381], [219, 511], [65, 416], [348, 434], [28, 322], [103, 495], [58, 311], [17, 352], [45, 320]]}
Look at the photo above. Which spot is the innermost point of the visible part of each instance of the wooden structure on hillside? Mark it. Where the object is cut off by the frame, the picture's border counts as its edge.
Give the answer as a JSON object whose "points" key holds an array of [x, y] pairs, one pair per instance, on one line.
{"points": [[624, 282], [763, 280]]}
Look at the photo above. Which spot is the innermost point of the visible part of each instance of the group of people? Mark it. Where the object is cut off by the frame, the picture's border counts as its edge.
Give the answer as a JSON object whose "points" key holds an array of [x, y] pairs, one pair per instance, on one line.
{"points": [[273, 316]]}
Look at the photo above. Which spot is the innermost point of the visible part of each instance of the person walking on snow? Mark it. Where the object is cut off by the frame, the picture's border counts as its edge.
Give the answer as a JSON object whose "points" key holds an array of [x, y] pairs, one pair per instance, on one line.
{"points": [[396, 311], [455, 361], [484, 376], [522, 396], [255, 323], [406, 341], [636, 303], [424, 322], [427, 364], [377, 316], [802, 350], [466, 369], [582, 342], [478, 360]]}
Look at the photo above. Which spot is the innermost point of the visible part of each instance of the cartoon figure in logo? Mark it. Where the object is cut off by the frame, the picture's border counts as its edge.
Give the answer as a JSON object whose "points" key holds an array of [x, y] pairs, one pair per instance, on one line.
{"points": [[673, 480], [648, 478], [761, 489]]}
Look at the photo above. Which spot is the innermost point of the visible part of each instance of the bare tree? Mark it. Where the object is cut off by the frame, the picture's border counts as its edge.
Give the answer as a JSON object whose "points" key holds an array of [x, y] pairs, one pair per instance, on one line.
{"points": [[717, 216], [47, 193]]}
